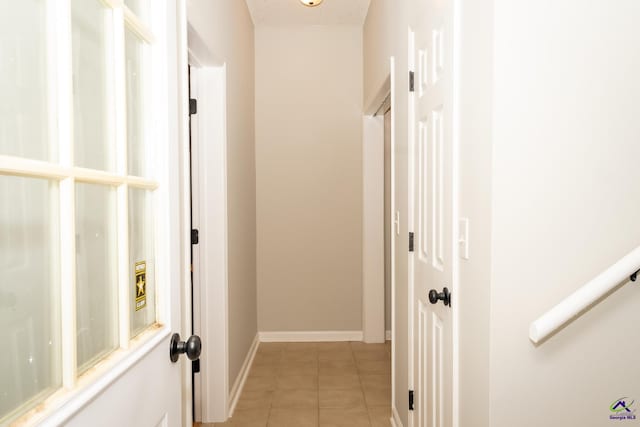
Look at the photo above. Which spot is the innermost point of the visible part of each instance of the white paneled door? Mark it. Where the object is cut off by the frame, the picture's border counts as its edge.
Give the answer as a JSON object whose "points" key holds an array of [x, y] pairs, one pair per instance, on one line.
{"points": [[433, 173], [90, 234]]}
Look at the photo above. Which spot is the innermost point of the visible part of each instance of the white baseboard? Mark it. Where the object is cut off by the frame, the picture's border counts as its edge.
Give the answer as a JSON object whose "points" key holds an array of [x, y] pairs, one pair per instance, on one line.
{"points": [[395, 418], [387, 335], [238, 385], [310, 336]]}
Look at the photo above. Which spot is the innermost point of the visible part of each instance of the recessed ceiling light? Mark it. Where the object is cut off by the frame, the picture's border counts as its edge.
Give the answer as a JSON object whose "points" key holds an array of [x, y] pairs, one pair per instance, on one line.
{"points": [[311, 3]]}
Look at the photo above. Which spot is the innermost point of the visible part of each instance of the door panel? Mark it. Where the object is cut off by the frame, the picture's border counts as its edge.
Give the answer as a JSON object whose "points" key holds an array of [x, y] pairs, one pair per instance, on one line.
{"points": [[433, 197], [422, 382], [141, 398], [435, 395]]}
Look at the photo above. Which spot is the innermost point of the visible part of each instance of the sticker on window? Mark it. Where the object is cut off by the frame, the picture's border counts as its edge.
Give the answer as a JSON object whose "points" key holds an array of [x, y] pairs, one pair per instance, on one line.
{"points": [[141, 285]]}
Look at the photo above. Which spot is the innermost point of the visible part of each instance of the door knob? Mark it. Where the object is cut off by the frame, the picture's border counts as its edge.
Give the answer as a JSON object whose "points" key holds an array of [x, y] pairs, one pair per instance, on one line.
{"points": [[444, 296], [192, 347]]}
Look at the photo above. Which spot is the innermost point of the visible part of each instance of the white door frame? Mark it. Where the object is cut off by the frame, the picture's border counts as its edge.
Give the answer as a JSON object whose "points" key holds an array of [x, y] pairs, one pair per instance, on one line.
{"points": [[185, 196], [373, 296], [209, 198], [373, 327], [373, 286]]}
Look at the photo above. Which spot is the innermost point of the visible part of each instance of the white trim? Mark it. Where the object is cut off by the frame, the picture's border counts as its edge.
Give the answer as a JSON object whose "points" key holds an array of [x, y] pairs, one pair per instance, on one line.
{"points": [[373, 292], [395, 418], [185, 199], [119, 96], [310, 336], [122, 222], [238, 384], [66, 195], [68, 283], [135, 25], [122, 206], [17, 166], [209, 213], [455, 315], [200, 398], [411, 226], [113, 4], [392, 72], [387, 335]]}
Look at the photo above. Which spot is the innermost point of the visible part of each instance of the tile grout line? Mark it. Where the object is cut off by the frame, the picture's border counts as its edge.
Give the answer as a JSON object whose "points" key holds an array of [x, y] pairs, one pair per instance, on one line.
{"points": [[364, 397]]}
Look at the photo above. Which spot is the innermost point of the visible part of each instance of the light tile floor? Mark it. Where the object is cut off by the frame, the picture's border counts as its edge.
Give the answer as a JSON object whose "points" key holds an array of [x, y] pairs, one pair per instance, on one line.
{"points": [[317, 385]]}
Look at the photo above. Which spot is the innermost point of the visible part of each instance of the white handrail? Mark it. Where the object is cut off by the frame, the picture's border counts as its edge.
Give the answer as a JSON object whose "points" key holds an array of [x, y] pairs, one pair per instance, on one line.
{"points": [[591, 292]]}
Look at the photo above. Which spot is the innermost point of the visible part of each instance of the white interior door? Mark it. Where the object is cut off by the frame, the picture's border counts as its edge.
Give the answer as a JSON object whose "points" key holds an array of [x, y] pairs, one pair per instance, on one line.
{"points": [[433, 204], [90, 220]]}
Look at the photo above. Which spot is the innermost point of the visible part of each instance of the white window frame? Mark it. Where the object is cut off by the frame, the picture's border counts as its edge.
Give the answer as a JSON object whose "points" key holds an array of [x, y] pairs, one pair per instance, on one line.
{"points": [[77, 390]]}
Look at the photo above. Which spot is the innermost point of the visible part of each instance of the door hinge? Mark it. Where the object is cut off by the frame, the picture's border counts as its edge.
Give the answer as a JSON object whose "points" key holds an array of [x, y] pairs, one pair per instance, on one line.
{"points": [[196, 366], [411, 81], [411, 241], [411, 400], [193, 106], [195, 237]]}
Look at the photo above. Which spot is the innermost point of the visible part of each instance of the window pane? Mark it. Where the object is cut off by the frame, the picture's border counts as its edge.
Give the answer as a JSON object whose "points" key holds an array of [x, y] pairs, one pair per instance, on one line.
{"points": [[136, 117], [29, 293], [142, 260], [92, 85], [25, 128], [96, 273]]}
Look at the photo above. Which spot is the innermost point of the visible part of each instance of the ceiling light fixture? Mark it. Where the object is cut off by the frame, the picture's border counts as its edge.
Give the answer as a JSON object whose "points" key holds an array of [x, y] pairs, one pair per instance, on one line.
{"points": [[311, 3]]}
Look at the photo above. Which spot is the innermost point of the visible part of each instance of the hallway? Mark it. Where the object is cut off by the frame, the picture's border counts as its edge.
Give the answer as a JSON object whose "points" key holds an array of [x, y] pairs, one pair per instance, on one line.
{"points": [[316, 384]]}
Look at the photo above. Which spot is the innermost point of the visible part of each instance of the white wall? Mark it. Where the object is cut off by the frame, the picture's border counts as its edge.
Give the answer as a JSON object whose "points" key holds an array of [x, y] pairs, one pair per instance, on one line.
{"points": [[475, 163], [309, 177], [565, 206], [227, 29], [378, 47]]}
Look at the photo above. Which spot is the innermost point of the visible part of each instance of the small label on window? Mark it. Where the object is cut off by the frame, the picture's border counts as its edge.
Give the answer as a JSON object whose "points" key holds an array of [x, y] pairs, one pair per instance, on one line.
{"points": [[141, 285]]}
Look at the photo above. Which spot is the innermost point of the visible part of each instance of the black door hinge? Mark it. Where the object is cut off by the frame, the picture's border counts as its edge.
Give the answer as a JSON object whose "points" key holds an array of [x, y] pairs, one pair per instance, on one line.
{"points": [[411, 241], [195, 365], [193, 106], [195, 237], [411, 400], [411, 81]]}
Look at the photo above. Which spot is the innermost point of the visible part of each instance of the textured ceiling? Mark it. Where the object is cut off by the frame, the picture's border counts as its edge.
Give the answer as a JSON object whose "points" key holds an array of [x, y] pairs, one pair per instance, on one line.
{"points": [[294, 13]]}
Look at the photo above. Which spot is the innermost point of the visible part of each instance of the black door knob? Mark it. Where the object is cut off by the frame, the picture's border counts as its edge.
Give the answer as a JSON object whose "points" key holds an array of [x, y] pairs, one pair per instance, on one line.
{"points": [[192, 347], [444, 296]]}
